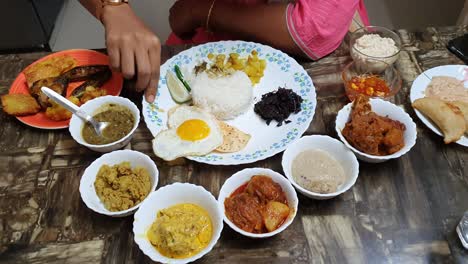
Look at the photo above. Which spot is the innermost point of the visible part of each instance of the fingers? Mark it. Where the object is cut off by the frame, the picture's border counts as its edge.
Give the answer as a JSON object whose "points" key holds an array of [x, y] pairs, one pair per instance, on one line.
{"points": [[127, 65], [114, 53], [150, 92], [155, 60], [143, 68]]}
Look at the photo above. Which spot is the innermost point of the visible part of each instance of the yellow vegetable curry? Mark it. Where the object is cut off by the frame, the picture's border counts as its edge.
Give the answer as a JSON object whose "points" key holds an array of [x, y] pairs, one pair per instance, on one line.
{"points": [[181, 231]]}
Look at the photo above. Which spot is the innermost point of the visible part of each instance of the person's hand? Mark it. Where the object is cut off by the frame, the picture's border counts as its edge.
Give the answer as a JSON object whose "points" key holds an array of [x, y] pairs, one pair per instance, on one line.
{"points": [[185, 16], [133, 48]]}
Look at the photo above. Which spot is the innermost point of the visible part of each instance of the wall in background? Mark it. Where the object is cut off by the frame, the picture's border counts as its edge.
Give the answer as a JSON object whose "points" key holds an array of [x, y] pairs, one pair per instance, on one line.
{"points": [[76, 28], [413, 13]]}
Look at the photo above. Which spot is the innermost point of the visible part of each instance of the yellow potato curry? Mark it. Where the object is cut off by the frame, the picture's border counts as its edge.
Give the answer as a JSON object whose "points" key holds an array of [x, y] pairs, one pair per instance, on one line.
{"points": [[181, 231], [120, 187]]}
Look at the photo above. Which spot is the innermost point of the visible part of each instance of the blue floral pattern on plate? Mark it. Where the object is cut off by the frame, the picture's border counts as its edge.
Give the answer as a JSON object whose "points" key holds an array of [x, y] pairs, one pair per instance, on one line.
{"points": [[284, 70]]}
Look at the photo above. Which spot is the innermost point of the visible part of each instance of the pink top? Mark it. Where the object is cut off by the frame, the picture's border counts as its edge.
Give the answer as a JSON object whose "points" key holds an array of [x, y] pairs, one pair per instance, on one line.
{"points": [[317, 26]]}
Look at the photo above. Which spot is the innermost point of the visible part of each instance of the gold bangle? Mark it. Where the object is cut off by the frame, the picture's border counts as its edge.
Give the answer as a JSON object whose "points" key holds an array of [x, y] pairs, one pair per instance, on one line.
{"points": [[207, 24]]}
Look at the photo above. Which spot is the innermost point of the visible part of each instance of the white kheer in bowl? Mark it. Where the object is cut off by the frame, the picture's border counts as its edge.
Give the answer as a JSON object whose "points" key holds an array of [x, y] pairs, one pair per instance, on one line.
{"points": [[178, 223], [374, 48], [265, 195], [320, 167], [137, 161]]}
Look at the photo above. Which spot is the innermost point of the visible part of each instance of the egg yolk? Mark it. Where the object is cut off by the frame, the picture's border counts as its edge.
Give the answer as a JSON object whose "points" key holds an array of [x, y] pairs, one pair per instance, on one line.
{"points": [[193, 130]]}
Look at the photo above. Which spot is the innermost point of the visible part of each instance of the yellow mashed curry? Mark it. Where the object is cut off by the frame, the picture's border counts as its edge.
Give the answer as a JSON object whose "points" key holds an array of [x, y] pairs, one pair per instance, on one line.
{"points": [[120, 187], [181, 231]]}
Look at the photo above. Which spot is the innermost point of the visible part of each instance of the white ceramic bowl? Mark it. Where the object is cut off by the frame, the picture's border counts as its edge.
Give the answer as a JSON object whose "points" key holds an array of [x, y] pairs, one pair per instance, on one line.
{"points": [[92, 108], [136, 159], [382, 108], [168, 196], [336, 149], [242, 177]]}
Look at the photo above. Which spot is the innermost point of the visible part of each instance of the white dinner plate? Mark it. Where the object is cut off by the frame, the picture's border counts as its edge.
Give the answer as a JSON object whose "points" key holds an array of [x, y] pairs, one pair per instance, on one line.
{"points": [[422, 81], [266, 141]]}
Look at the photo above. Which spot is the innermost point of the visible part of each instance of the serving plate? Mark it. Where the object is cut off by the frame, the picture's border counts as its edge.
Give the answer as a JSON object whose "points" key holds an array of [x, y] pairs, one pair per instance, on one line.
{"points": [[266, 141], [83, 57], [422, 81]]}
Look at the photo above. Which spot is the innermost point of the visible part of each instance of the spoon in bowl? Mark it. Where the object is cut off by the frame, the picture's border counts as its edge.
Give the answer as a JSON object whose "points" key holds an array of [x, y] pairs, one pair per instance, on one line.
{"points": [[98, 126]]}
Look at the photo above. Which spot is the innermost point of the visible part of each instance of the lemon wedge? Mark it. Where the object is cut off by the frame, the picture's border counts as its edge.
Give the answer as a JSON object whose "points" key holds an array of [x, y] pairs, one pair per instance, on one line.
{"points": [[177, 89]]}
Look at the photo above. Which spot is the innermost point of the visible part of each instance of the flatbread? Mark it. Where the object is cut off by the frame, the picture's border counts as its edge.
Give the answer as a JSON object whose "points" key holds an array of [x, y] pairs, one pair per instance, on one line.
{"points": [[51, 67], [463, 107], [233, 139], [20, 104], [448, 118]]}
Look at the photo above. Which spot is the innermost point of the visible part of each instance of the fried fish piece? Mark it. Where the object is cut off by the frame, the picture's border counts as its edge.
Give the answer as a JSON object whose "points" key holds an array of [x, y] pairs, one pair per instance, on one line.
{"points": [[86, 72], [448, 118], [58, 84], [463, 107], [51, 67], [233, 139], [20, 104]]}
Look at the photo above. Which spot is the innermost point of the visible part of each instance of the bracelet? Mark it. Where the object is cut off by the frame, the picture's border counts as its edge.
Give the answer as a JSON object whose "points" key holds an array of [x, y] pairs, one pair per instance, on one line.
{"points": [[207, 24], [105, 3]]}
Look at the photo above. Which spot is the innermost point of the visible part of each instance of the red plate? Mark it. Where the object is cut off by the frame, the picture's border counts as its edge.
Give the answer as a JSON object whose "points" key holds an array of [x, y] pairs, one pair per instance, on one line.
{"points": [[83, 57]]}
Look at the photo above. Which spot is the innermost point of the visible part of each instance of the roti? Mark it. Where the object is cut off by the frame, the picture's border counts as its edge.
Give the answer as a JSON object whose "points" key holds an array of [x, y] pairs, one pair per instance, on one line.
{"points": [[233, 139]]}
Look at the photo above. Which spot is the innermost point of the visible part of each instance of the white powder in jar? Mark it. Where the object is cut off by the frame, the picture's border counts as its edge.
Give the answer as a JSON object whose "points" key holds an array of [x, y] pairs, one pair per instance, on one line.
{"points": [[317, 171], [376, 46]]}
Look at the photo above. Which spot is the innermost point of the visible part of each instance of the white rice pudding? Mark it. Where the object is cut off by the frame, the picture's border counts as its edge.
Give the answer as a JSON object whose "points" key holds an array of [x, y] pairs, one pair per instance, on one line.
{"points": [[317, 171], [373, 52], [225, 97], [376, 46]]}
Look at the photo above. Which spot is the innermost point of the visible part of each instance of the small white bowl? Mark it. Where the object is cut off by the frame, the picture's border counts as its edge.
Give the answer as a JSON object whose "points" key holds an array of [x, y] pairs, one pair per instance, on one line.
{"points": [[336, 149], [92, 108], [136, 159], [242, 177], [382, 108], [168, 196]]}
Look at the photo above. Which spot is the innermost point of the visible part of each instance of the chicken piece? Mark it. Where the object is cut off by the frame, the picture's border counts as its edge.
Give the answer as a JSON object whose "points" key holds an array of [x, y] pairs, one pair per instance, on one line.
{"points": [[371, 133], [244, 211], [20, 104], [274, 214], [265, 189]]}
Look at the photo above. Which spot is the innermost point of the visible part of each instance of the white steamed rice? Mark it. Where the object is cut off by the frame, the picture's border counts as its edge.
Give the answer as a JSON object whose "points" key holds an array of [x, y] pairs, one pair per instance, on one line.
{"points": [[225, 97]]}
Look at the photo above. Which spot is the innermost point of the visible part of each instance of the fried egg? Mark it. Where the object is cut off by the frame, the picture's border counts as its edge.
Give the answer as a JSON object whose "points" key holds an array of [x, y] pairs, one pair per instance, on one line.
{"points": [[191, 131]]}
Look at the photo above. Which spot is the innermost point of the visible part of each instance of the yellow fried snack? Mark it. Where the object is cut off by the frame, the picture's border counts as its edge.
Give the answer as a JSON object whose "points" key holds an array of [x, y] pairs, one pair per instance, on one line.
{"points": [[91, 93], [57, 113], [448, 118], [52, 67], [20, 104], [233, 139], [463, 106]]}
